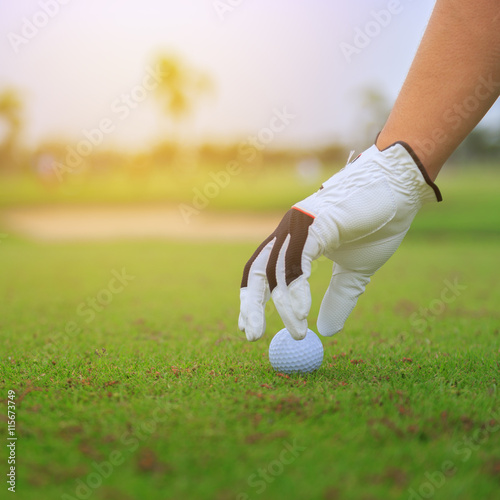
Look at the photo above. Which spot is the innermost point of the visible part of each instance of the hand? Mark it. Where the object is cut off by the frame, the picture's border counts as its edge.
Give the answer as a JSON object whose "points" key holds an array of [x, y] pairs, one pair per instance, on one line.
{"points": [[357, 219]]}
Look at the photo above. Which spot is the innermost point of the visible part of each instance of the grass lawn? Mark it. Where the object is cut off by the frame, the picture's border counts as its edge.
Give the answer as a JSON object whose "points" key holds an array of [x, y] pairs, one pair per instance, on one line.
{"points": [[132, 382], [155, 395]]}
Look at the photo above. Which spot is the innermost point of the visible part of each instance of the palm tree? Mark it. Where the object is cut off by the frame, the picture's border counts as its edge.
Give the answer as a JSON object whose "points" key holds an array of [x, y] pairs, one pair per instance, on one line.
{"points": [[178, 91], [10, 113]]}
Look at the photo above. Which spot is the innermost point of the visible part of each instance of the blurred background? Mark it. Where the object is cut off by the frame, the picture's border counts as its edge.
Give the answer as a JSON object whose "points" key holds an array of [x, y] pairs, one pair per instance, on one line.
{"points": [[154, 118], [184, 130]]}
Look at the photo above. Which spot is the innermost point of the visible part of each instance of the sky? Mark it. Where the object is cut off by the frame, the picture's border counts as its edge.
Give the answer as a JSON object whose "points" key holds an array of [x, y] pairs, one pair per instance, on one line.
{"points": [[73, 61]]}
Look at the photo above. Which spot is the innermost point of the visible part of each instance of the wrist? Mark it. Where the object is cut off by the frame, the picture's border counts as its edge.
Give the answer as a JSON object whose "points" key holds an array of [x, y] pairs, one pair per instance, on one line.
{"points": [[402, 157], [426, 153]]}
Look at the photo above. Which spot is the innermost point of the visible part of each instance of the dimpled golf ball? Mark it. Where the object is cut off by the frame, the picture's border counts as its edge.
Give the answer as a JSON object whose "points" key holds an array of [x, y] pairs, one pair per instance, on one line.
{"points": [[288, 355]]}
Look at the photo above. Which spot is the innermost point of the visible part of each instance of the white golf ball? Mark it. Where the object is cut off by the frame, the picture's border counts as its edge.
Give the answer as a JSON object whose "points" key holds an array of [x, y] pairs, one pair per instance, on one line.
{"points": [[288, 355]]}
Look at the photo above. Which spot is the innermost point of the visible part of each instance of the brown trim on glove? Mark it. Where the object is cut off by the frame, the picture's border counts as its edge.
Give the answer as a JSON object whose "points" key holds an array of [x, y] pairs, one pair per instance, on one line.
{"points": [[296, 224]]}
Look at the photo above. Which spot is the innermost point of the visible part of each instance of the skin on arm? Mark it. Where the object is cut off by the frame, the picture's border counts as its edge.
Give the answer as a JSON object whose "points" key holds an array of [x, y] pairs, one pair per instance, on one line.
{"points": [[453, 81]]}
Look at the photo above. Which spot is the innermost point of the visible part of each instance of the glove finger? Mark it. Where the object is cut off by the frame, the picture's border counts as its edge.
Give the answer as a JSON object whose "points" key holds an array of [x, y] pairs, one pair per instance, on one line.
{"points": [[340, 298], [255, 293], [293, 298], [259, 271]]}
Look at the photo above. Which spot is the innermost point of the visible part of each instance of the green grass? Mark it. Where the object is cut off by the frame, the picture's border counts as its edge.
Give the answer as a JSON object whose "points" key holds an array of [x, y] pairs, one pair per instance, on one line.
{"points": [[252, 189], [161, 382], [470, 209], [470, 193]]}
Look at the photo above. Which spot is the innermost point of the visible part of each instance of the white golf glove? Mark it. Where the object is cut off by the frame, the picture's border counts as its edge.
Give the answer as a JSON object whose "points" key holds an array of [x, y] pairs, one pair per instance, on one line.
{"points": [[357, 219]]}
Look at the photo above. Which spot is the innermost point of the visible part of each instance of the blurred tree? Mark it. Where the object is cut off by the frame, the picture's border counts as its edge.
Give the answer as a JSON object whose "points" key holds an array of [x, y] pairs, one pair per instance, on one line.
{"points": [[375, 109], [181, 86], [10, 114], [481, 145]]}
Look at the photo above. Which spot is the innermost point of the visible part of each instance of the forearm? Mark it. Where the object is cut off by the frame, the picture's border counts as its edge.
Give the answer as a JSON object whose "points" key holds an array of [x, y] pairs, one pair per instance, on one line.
{"points": [[453, 81]]}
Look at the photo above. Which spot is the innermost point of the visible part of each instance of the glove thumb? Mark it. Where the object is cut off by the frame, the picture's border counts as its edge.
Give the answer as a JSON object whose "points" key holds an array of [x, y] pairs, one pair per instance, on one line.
{"points": [[340, 298]]}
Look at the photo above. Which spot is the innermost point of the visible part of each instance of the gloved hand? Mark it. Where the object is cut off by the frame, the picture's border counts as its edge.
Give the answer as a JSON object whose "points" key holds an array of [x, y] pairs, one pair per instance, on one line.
{"points": [[357, 219]]}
